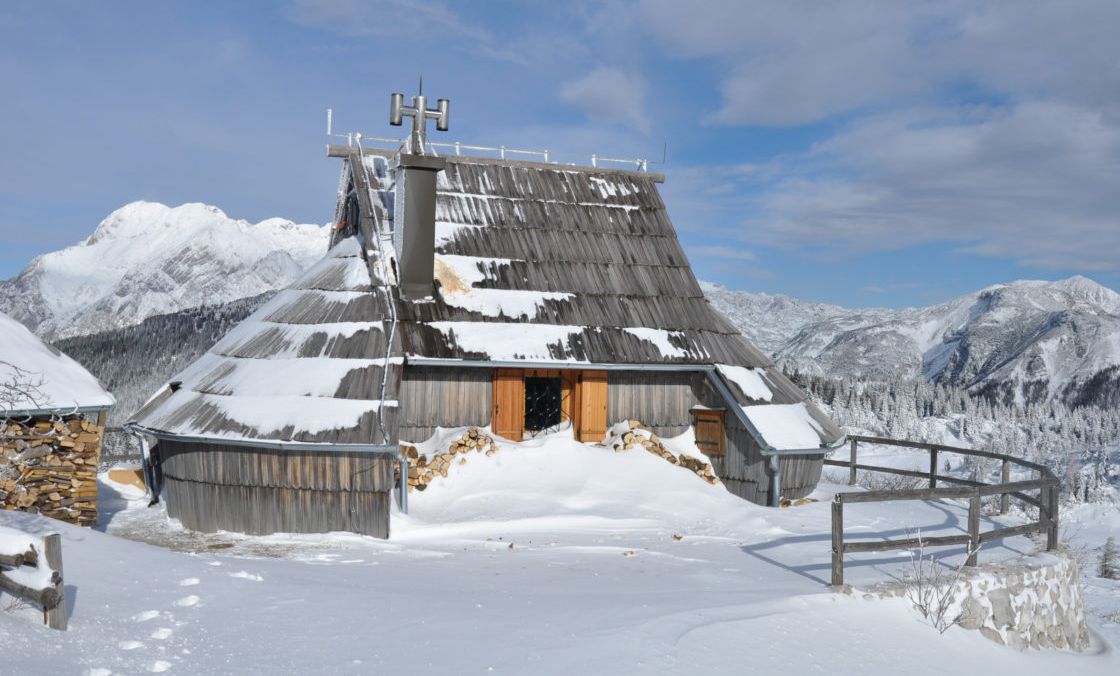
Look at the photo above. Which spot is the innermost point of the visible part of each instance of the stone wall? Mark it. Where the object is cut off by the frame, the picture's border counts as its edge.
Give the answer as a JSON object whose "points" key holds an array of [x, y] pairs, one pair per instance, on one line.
{"points": [[1034, 602]]}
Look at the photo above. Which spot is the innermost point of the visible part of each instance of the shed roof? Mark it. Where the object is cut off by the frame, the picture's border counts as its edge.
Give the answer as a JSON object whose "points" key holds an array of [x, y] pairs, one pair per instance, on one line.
{"points": [[535, 263], [37, 378]]}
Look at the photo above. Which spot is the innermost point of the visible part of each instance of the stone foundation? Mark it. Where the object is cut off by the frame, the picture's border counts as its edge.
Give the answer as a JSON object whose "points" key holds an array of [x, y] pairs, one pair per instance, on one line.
{"points": [[1030, 603]]}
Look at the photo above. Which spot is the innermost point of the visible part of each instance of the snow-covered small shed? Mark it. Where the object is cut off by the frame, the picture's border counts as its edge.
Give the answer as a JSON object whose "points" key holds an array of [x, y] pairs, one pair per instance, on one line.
{"points": [[52, 422], [37, 379], [470, 291]]}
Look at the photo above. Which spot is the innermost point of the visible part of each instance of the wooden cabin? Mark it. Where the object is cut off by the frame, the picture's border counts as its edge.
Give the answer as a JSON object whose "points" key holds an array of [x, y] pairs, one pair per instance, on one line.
{"points": [[52, 422], [470, 291]]}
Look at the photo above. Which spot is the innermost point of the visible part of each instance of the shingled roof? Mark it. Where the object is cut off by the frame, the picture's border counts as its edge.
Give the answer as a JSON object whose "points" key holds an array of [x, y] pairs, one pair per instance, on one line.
{"points": [[535, 263]]}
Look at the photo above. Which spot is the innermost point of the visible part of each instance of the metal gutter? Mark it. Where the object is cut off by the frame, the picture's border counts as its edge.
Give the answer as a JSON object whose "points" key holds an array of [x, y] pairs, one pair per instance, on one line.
{"points": [[499, 364], [59, 410], [393, 449]]}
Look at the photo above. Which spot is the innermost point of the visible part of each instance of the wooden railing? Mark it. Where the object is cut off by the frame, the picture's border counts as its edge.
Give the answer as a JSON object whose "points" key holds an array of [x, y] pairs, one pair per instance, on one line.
{"points": [[1045, 483], [52, 597]]}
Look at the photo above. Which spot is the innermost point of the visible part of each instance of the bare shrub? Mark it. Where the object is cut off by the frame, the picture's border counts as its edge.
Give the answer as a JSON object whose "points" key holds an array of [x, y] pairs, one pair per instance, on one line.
{"points": [[931, 588]]}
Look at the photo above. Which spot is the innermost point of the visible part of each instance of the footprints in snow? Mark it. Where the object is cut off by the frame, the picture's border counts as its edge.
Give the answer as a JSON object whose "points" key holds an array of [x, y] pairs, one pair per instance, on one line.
{"points": [[159, 633], [166, 633], [246, 575]]}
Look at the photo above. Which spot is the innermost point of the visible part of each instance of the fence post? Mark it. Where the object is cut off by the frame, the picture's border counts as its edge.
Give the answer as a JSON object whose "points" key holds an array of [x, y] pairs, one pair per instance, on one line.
{"points": [[933, 467], [852, 463], [1052, 513], [838, 540], [973, 529], [1004, 477], [55, 618]]}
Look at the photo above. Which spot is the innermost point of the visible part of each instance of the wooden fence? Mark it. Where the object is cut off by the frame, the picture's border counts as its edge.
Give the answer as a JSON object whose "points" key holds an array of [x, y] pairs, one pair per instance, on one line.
{"points": [[51, 597], [1046, 501]]}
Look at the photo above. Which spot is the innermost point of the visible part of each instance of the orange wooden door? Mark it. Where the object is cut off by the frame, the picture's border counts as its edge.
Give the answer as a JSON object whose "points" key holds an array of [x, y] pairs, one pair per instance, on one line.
{"points": [[508, 415], [591, 421]]}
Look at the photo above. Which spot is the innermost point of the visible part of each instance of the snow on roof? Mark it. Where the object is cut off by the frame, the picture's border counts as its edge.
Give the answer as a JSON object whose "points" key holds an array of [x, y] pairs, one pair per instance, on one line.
{"points": [[533, 263], [60, 383], [752, 382], [305, 367], [786, 426]]}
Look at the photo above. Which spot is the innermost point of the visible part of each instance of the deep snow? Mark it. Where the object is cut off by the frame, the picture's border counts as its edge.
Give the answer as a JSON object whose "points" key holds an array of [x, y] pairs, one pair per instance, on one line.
{"points": [[551, 557]]}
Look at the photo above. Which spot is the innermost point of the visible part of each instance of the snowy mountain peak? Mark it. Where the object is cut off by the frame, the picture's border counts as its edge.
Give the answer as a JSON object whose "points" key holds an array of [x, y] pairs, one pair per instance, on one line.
{"points": [[148, 258]]}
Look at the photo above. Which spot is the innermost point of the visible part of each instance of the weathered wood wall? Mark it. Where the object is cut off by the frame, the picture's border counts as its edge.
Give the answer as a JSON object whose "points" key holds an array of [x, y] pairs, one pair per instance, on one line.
{"points": [[213, 487], [442, 397]]}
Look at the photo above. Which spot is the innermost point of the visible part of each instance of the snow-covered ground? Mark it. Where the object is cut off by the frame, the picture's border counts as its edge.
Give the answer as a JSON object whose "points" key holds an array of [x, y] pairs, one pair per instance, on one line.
{"points": [[550, 557]]}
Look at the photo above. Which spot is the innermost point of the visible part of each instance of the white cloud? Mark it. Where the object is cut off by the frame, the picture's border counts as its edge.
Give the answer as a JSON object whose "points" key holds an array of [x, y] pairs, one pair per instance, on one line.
{"points": [[610, 94], [790, 63], [1035, 183]]}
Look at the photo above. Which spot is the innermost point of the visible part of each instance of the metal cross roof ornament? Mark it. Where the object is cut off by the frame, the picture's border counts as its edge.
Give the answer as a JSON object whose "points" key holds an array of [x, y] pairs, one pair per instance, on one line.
{"points": [[420, 114]]}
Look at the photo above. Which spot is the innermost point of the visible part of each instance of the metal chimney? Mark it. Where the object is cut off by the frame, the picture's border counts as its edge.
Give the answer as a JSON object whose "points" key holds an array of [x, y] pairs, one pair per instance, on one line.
{"points": [[414, 228]]}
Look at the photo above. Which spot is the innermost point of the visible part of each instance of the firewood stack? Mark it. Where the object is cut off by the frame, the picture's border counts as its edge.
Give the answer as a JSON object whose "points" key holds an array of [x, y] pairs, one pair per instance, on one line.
{"points": [[640, 435], [423, 470], [50, 468]]}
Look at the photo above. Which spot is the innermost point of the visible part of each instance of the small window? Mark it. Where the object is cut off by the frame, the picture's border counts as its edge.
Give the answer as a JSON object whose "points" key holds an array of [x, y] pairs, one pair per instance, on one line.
{"points": [[709, 431], [542, 403]]}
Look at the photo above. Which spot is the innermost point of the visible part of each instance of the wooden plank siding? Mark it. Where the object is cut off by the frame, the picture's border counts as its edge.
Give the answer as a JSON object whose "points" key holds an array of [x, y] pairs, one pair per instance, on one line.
{"points": [[211, 487], [442, 397]]}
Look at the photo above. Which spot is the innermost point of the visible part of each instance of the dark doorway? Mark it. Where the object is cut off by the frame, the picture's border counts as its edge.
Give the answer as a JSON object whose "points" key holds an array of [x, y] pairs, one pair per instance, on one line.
{"points": [[542, 403]]}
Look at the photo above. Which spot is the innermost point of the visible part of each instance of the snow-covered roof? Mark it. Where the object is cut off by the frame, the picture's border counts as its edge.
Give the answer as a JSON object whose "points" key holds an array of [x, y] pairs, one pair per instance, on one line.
{"points": [[548, 264], [294, 370], [40, 378]]}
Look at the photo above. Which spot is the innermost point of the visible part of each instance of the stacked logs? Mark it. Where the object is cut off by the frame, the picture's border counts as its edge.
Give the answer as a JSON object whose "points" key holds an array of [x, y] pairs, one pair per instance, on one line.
{"points": [[422, 470], [637, 434], [50, 467]]}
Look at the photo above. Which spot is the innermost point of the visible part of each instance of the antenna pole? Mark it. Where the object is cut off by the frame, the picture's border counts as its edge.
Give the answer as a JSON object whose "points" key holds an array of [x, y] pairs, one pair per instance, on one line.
{"points": [[420, 114]]}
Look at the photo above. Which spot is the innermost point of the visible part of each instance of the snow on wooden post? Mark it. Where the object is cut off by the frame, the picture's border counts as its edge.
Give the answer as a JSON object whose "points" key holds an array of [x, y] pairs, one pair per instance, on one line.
{"points": [[933, 467], [56, 616], [1004, 477], [973, 529], [852, 471], [838, 539], [1052, 512]]}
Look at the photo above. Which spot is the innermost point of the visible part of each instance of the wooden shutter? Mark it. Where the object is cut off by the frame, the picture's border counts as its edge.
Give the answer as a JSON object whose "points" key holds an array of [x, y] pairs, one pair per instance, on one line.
{"points": [[591, 405], [709, 431], [508, 415]]}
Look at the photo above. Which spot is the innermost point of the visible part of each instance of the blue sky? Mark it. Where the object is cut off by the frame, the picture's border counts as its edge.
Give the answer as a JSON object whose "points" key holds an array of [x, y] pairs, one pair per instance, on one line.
{"points": [[857, 153]]}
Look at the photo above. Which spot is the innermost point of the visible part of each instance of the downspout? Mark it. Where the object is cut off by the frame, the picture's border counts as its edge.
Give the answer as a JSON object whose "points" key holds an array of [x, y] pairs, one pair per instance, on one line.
{"points": [[150, 481], [403, 488], [768, 451]]}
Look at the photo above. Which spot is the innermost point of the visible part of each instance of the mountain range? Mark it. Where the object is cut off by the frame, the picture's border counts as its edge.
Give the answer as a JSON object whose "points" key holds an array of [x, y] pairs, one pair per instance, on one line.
{"points": [[1021, 341]]}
